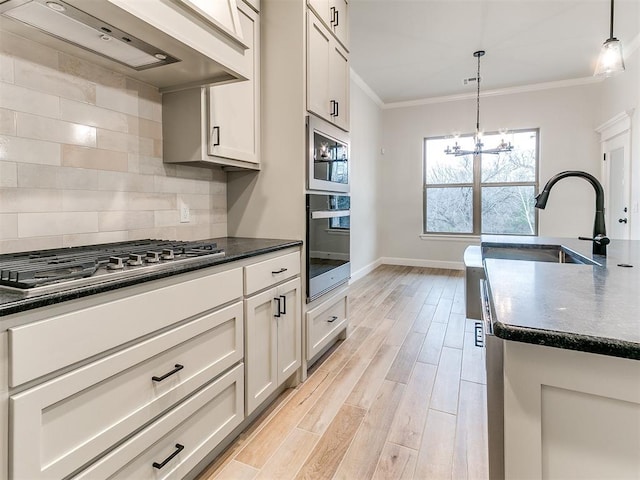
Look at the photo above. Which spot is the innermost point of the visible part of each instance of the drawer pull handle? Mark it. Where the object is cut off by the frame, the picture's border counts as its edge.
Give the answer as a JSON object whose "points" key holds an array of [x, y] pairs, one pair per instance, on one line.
{"points": [[278, 312], [175, 370], [284, 304], [282, 270], [179, 448], [479, 341], [332, 319]]}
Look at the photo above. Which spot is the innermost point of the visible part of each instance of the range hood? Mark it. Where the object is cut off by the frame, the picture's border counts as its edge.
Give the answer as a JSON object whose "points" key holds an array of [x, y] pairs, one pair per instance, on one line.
{"points": [[159, 42]]}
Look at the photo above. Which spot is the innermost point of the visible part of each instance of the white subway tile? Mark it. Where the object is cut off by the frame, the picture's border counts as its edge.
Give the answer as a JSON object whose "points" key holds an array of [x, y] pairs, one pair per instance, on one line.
{"points": [[8, 174], [59, 223], [218, 230], [86, 157], [30, 244], [45, 176], [194, 173], [196, 202], [181, 185], [151, 201], [117, 99], [187, 231], [25, 49], [6, 69], [125, 220], [7, 121], [87, 114], [27, 150], [149, 165], [93, 201], [21, 99], [8, 226], [90, 71], [48, 80], [18, 200], [144, 128], [125, 182], [41, 128], [123, 142], [81, 239], [166, 218]]}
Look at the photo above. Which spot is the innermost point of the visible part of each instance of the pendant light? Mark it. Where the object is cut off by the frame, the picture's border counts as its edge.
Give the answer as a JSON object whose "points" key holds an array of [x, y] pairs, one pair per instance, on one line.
{"points": [[477, 138], [610, 61]]}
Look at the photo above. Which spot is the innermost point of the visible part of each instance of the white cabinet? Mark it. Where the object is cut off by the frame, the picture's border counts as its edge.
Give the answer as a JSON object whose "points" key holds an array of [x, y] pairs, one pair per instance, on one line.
{"points": [[327, 75], [570, 414], [335, 15], [273, 340], [325, 322], [218, 125], [222, 14]]}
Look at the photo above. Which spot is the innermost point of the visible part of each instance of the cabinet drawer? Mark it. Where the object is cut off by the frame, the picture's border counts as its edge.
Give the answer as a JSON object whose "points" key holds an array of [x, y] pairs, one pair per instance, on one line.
{"points": [[65, 423], [69, 338], [269, 272], [198, 424], [324, 322]]}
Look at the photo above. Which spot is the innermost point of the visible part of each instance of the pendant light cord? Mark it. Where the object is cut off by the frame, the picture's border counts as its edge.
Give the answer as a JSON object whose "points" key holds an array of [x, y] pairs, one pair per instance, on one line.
{"points": [[611, 25], [478, 102]]}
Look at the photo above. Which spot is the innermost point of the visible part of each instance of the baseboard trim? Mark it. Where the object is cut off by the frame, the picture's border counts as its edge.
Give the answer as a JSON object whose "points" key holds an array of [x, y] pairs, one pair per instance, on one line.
{"points": [[357, 275], [416, 262]]}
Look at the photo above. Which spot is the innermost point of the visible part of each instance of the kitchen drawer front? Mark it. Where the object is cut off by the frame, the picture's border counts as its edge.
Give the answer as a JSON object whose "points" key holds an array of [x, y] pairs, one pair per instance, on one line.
{"points": [[65, 423], [69, 338], [199, 424], [270, 272], [324, 322]]}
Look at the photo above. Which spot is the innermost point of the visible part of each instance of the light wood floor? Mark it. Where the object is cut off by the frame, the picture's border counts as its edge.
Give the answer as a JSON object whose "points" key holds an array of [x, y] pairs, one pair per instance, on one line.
{"points": [[402, 398]]}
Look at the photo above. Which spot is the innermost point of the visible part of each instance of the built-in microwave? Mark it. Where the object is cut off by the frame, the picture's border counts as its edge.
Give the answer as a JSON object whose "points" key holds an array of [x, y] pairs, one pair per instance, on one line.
{"points": [[328, 156]]}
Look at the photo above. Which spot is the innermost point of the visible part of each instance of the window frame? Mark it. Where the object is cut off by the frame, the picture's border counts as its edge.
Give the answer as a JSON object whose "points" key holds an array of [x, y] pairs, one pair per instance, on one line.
{"points": [[476, 186]]}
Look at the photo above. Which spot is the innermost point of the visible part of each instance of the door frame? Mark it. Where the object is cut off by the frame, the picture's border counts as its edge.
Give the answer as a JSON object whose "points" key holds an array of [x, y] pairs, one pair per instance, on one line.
{"points": [[617, 128]]}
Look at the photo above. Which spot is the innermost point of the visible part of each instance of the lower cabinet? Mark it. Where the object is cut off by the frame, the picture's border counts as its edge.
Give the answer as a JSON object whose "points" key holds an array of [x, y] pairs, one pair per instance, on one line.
{"points": [[273, 340], [173, 445], [325, 322]]}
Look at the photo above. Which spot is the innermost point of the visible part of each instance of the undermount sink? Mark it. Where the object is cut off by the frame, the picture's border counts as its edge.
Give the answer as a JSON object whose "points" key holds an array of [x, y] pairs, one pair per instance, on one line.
{"points": [[536, 253]]}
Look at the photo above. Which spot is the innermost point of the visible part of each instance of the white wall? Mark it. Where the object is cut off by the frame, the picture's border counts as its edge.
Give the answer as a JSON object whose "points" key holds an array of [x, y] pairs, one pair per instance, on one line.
{"points": [[622, 93], [567, 118], [366, 132]]}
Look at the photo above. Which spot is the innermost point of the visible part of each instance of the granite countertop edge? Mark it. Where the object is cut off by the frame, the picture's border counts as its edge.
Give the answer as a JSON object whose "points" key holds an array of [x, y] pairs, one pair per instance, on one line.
{"points": [[568, 341], [21, 304]]}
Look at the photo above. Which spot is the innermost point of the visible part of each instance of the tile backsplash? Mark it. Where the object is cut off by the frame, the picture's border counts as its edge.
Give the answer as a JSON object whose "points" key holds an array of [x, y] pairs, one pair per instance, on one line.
{"points": [[81, 158]]}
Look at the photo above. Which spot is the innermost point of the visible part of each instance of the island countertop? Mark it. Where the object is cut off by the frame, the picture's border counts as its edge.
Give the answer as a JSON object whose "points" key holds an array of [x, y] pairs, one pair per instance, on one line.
{"points": [[591, 308]]}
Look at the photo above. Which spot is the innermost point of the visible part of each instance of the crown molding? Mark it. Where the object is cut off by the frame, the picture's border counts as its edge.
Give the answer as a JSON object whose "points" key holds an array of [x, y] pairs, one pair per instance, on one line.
{"points": [[495, 92], [357, 79]]}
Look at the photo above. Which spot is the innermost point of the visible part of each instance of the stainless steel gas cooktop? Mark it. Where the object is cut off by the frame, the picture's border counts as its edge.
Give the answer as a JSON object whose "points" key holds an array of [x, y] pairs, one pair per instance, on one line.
{"points": [[45, 271]]}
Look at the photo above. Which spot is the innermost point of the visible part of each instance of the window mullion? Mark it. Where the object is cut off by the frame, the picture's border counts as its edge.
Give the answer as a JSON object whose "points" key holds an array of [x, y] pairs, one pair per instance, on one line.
{"points": [[477, 199]]}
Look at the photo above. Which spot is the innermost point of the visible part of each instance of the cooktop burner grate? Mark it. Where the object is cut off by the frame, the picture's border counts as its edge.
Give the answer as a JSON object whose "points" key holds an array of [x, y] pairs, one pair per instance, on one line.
{"points": [[59, 266]]}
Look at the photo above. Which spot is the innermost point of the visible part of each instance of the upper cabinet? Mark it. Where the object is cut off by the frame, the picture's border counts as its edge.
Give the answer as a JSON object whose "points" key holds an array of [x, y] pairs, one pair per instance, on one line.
{"points": [[218, 125], [327, 75], [335, 16]]}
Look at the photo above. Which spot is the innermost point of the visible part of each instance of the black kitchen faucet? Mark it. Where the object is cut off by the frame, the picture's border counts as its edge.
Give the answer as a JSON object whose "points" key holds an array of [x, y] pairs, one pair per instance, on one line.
{"points": [[599, 239]]}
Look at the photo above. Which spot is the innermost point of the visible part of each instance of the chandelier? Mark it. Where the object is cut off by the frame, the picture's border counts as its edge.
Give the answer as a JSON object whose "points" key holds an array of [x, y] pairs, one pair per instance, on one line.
{"points": [[477, 138]]}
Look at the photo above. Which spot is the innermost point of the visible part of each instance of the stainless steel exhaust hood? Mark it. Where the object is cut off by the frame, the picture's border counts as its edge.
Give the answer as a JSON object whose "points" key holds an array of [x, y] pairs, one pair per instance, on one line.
{"points": [[102, 32]]}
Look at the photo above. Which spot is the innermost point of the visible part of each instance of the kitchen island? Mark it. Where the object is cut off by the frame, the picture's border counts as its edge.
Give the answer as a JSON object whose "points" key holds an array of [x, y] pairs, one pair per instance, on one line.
{"points": [[570, 344]]}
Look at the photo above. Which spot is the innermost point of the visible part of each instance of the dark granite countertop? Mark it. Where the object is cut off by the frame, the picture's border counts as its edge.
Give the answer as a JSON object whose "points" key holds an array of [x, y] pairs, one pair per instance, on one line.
{"points": [[235, 248], [579, 307]]}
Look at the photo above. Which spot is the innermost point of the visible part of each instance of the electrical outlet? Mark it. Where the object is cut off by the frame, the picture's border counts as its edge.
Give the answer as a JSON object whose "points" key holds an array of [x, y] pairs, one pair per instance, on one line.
{"points": [[185, 214]]}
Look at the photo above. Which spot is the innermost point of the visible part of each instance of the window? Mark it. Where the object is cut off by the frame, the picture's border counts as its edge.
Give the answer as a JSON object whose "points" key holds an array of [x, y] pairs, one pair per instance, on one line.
{"points": [[474, 194]]}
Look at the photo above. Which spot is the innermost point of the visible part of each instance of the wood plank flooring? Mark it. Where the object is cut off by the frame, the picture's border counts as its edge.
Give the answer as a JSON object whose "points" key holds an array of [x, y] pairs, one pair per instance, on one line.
{"points": [[403, 397]]}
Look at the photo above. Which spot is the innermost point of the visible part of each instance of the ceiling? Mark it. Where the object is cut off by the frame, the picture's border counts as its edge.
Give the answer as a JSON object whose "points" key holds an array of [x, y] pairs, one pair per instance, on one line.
{"points": [[416, 49]]}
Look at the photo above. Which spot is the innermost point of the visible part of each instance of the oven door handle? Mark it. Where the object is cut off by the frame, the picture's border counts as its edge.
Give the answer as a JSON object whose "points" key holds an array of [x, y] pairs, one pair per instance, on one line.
{"points": [[330, 214]]}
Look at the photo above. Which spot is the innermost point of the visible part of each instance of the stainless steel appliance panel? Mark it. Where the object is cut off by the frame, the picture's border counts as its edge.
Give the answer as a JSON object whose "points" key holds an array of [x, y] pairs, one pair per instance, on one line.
{"points": [[328, 162]]}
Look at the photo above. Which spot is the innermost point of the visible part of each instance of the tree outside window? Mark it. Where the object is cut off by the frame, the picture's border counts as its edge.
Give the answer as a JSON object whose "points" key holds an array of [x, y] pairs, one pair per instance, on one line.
{"points": [[486, 193]]}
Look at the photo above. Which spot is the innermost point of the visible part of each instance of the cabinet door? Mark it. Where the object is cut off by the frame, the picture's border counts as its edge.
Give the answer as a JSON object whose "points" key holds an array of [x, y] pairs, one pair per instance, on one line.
{"points": [[339, 20], [321, 7], [289, 329], [261, 352], [222, 14], [339, 86], [318, 65], [233, 109]]}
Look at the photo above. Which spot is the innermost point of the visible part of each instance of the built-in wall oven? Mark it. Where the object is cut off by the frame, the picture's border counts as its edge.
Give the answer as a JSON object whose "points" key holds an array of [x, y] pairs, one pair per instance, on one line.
{"points": [[328, 237], [328, 156]]}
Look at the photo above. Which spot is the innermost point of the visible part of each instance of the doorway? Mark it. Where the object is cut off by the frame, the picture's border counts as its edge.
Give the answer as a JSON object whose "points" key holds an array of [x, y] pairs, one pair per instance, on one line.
{"points": [[615, 137]]}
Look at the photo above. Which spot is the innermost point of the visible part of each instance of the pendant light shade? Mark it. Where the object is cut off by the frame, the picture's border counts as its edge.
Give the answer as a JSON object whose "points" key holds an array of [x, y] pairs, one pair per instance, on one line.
{"points": [[610, 60]]}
